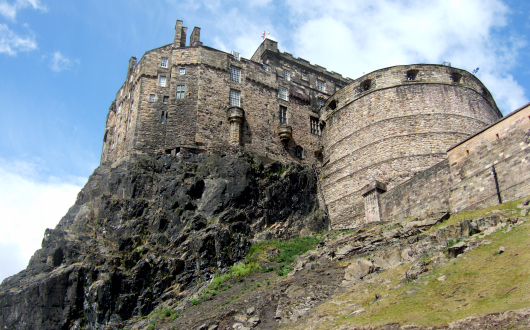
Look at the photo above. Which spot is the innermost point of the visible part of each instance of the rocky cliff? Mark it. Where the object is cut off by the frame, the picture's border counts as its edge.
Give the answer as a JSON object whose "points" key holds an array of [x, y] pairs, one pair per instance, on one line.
{"points": [[150, 229]]}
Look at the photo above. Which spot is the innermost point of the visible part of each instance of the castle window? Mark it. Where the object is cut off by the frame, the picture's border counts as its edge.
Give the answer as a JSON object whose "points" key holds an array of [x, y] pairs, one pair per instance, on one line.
{"points": [[235, 98], [283, 115], [235, 74], [282, 93], [163, 62], [132, 105], [162, 81], [321, 86], [320, 103], [497, 135], [313, 124], [180, 92], [365, 85], [163, 117], [265, 67], [412, 74], [299, 152], [304, 76], [182, 71], [457, 77], [165, 99], [152, 97], [119, 108], [286, 75]]}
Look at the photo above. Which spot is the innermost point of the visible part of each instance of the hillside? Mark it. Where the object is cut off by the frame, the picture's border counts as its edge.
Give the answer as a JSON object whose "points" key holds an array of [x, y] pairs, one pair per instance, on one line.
{"points": [[464, 271]]}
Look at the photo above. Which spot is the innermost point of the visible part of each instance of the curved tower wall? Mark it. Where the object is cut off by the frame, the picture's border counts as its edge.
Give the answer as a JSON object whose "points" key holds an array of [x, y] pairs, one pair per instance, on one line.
{"points": [[392, 123]]}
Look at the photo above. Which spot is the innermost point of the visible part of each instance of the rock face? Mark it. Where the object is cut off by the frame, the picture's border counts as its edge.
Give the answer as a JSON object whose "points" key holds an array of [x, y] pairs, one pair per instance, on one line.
{"points": [[148, 230]]}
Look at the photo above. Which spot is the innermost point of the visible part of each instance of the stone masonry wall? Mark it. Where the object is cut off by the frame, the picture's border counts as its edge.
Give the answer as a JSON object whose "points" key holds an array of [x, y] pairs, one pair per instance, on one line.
{"points": [[385, 127], [158, 121], [465, 181], [506, 147]]}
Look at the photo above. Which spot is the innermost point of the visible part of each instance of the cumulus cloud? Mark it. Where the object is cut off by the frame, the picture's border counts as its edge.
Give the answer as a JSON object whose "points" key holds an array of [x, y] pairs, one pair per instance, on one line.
{"points": [[356, 37], [29, 204], [9, 9], [12, 43], [59, 62]]}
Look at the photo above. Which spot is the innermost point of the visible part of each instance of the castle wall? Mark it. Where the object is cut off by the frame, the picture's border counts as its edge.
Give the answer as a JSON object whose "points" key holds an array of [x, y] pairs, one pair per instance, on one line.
{"points": [[386, 127], [465, 181], [427, 191], [504, 147], [162, 119]]}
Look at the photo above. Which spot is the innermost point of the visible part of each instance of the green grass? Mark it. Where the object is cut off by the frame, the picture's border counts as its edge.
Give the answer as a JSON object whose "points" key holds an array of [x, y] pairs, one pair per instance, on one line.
{"points": [[480, 282], [223, 282], [469, 215], [288, 250]]}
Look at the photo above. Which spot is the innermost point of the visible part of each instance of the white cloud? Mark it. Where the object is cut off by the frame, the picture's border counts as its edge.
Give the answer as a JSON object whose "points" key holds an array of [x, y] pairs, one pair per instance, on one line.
{"points": [[11, 43], [59, 62], [9, 10], [29, 205], [353, 37]]}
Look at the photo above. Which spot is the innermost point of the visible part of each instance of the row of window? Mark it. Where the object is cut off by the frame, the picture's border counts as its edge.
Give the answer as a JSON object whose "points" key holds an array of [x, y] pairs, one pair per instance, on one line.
{"points": [[235, 75]]}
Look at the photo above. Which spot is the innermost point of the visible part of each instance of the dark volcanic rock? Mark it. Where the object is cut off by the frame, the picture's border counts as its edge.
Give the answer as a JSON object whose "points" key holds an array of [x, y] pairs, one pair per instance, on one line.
{"points": [[149, 229]]}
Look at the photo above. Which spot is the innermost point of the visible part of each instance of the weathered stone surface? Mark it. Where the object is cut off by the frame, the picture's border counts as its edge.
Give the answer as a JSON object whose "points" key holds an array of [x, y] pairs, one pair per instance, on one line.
{"points": [[137, 230]]}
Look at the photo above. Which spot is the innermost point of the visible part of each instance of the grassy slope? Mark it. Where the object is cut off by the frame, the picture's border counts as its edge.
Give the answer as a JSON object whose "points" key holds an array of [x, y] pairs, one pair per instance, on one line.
{"points": [[478, 282]]}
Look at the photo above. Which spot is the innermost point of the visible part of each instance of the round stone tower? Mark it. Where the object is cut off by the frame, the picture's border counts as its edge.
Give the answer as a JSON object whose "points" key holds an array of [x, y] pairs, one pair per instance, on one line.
{"points": [[392, 123]]}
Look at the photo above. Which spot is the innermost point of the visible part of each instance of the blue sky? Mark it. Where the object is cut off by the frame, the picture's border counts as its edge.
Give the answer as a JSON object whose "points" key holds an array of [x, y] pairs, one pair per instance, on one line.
{"points": [[62, 61]]}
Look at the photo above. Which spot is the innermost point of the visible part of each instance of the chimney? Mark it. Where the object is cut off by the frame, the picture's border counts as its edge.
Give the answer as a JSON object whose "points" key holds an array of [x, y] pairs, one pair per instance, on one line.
{"points": [[195, 39], [177, 42]]}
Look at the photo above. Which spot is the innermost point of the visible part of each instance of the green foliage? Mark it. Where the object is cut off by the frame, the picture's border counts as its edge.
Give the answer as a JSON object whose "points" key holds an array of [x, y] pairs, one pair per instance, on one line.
{"points": [[288, 250], [452, 242], [194, 301], [283, 270], [237, 272]]}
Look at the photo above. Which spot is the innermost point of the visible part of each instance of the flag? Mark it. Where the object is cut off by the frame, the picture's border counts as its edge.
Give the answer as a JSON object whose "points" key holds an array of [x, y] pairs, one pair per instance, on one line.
{"points": [[263, 36], [475, 71]]}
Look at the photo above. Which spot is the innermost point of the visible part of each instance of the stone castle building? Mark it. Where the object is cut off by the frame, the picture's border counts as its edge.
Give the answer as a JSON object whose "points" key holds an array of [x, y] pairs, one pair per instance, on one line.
{"points": [[375, 131]]}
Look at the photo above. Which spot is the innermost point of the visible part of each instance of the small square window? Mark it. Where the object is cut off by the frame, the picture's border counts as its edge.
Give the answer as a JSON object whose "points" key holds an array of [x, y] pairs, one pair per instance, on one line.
{"points": [[165, 99], [313, 124], [180, 92], [182, 71], [282, 93], [304, 76], [235, 98], [283, 115], [163, 62], [286, 75], [321, 86], [152, 97], [235, 74], [265, 67], [162, 81]]}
